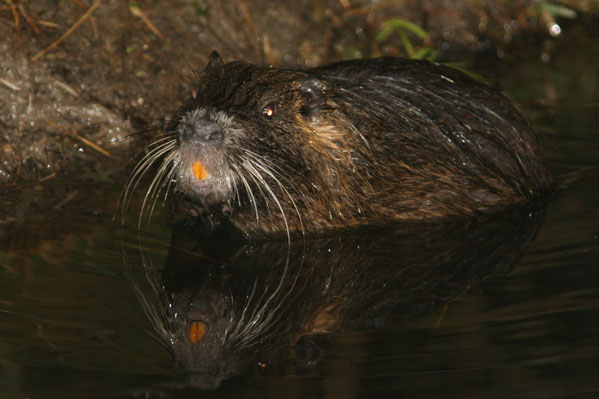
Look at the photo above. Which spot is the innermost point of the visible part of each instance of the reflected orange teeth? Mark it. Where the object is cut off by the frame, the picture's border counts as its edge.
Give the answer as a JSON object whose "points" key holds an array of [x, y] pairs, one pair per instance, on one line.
{"points": [[197, 330], [199, 170]]}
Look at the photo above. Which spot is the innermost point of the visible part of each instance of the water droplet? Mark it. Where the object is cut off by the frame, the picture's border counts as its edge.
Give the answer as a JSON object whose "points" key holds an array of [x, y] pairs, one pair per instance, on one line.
{"points": [[555, 29]]}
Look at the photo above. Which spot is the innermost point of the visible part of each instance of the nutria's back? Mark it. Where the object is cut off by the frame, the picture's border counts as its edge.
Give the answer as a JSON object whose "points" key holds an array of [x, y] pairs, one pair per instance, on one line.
{"points": [[356, 142], [457, 146]]}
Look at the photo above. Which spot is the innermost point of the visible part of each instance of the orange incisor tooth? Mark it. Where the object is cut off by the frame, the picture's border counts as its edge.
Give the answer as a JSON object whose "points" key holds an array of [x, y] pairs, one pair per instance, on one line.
{"points": [[199, 170], [197, 330]]}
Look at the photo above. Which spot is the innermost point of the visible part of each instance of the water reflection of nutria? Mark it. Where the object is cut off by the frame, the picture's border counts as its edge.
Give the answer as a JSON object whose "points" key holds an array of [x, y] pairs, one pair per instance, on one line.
{"points": [[237, 308]]}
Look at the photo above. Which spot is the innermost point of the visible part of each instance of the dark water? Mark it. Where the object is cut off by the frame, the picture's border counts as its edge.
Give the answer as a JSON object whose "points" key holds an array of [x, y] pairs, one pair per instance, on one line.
{"points": [[505, 307]]}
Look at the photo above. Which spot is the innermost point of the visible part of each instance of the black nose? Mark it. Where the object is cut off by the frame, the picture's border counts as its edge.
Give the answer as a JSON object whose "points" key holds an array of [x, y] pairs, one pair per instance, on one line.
{"points": [[204, 131]]}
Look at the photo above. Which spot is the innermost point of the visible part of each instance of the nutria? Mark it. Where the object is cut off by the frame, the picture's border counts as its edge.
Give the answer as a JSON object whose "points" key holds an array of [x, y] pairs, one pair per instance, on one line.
{"points": [[361, 142]]}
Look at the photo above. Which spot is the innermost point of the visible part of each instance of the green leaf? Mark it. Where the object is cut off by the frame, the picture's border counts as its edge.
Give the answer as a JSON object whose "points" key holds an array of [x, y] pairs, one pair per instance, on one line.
{"points": [[406, 43], [558, 11], [402, 24], [425, 53], [384, 34]]}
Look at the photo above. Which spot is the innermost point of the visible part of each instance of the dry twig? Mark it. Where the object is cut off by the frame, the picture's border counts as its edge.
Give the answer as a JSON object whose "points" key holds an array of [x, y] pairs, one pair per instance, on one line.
{"points": [[85, 141], [9, 85], [68, 32], [29, 20], [137, 12], [15, 14]]}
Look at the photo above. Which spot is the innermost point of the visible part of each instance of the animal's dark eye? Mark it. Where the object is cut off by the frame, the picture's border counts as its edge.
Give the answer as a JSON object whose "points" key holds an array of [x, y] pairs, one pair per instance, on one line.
{"points": [[269, 110]]}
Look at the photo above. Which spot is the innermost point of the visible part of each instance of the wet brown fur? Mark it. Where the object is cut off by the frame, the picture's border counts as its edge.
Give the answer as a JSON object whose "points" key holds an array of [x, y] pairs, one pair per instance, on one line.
{"points": [[353, 143]]}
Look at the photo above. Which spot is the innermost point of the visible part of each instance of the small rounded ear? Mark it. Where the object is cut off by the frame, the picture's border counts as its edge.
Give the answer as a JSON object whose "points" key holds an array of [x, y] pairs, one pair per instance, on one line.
{"points": [[215, 62], [311, 91]]}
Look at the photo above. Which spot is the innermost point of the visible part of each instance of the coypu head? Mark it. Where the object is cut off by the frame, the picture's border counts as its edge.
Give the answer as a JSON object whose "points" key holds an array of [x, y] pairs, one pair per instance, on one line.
{"points": [[237, 130], [251, 144]]}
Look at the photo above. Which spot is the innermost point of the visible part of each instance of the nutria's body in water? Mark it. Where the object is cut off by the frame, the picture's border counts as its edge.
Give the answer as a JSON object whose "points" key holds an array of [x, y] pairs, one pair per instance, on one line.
{"points": [[351, 143]]}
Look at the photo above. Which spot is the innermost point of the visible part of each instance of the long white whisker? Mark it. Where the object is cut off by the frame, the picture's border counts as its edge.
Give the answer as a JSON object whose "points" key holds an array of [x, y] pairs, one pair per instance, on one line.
{"points": [[164, 167], [164, 185], [161, 182], [249, 191], [259, 180], [259, 164], [252, 169], [140, 170]]}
